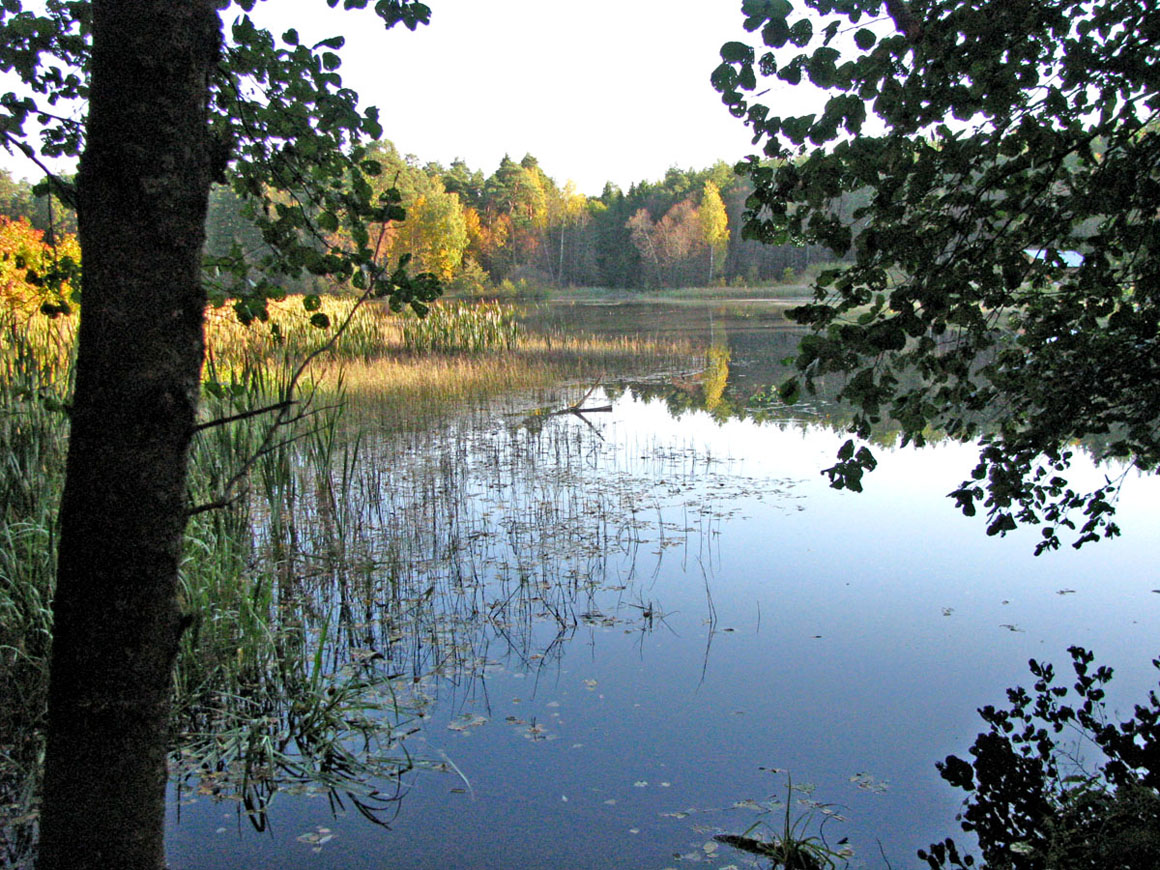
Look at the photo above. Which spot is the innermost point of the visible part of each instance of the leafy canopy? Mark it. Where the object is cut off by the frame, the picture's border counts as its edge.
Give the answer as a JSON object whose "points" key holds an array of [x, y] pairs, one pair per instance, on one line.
{"points": [[289, 140], [1002, 145]]}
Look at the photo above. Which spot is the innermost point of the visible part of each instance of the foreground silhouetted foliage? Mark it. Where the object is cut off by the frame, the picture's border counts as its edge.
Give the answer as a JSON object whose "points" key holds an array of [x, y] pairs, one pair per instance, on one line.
{"points": [[1033, 804]]}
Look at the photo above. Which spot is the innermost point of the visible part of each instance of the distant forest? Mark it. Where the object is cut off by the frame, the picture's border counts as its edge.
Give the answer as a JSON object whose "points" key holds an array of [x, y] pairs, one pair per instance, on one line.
{"points": [[517, 230]]}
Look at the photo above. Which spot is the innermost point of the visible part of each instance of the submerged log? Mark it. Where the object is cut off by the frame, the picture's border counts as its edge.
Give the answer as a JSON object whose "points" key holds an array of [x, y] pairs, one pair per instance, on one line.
{"points": [[535, 417]]}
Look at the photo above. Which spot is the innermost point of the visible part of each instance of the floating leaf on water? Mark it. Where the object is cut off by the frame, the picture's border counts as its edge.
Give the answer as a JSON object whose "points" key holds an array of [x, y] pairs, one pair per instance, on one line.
{"points": [[316, 838], [634, 830], [611, 802], [467, 720], [640, 783], [748, 805], [866, 782]]}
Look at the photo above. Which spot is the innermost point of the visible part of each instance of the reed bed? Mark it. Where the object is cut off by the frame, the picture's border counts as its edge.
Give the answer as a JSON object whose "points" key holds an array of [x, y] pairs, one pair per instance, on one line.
{"points": [[458, 327], [35, 365], [369, 330], [405, 392], [338, 572], [405, 370]]}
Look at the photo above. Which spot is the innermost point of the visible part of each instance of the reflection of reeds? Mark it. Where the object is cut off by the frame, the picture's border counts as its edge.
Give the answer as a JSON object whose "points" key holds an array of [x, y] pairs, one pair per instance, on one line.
{"points": [[353, 572], [411, 368], [406, 391]]}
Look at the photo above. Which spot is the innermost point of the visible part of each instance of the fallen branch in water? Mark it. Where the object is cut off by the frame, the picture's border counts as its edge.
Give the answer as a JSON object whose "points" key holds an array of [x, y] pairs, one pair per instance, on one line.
{"points": [[534, 418]]}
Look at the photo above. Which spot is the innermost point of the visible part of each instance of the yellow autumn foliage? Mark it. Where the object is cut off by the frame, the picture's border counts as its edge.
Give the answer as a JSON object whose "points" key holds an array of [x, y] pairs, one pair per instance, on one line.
{"points": [[35, 275]]}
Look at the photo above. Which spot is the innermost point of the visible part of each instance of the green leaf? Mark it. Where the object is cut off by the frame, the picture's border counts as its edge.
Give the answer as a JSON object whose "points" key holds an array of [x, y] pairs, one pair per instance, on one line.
{"points": [[865, 39], [790, 391], [736, 52], [312, 302], [320, 321], [801, 32], [775, 34]]}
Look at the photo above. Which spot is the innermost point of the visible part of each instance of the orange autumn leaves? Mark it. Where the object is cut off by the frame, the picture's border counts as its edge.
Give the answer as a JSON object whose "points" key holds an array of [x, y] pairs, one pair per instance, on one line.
{"points": [[36, 275]]}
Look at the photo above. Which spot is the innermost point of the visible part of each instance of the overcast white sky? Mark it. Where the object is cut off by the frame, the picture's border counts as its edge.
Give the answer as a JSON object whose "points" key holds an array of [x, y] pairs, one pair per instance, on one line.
{"points": [[600, 90], [603, 90]]}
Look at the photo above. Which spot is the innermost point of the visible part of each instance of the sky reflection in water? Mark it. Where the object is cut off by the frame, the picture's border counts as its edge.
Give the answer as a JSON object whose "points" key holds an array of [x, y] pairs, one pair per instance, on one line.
{"points": [[845, 638]]}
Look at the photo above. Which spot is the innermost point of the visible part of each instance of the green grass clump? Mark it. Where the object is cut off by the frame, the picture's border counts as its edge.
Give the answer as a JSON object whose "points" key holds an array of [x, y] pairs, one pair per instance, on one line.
{"points": [[35, 365], [462, 328]]}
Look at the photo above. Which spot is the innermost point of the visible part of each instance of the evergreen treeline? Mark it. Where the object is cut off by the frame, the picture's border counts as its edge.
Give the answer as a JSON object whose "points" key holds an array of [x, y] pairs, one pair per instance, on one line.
{"points": [[518, 229]]}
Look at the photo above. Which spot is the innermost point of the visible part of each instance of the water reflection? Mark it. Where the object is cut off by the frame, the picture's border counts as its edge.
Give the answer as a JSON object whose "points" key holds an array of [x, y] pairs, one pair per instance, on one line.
{"points": [[610, 630], [411, 570]]}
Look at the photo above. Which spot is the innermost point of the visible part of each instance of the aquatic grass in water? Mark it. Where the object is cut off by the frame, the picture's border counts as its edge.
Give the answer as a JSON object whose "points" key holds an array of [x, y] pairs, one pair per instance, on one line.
{"points": [[319, 609], [35, 361], [461, 328], [261, 702], [404, 369], [789, 845], [373, 330]]}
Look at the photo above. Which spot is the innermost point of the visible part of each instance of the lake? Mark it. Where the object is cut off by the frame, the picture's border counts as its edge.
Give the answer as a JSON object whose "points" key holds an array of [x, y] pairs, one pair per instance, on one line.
{"points": [[616, 634]]}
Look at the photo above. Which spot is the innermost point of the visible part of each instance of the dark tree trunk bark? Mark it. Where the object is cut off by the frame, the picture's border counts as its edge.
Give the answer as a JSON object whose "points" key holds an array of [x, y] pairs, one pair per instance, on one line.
{"points": [[142, 189]]}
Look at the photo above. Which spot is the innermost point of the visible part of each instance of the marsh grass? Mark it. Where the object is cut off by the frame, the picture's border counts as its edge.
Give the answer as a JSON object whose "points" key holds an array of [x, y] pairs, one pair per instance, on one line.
{"points": [[789, 843], [405, 371], [324, 610], [452, 327], [34, 380], [407, 391], [340, 574]]}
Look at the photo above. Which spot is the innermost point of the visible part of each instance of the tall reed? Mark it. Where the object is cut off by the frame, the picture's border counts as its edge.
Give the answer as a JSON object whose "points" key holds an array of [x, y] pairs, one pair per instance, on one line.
{"points": [[35, 357], [312, 589], [462, 328]]}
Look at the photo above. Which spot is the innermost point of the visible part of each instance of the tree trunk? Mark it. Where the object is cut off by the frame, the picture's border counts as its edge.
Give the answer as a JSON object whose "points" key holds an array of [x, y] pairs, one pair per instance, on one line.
{"points": [[143, 189]]}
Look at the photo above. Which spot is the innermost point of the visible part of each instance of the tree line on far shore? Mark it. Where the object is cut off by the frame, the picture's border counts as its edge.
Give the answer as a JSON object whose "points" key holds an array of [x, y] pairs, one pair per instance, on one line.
{"points": [[518, 230]]}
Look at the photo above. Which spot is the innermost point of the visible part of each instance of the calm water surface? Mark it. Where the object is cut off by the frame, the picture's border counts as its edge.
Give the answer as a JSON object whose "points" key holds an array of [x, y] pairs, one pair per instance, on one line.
{"points": [[652, 620]]}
